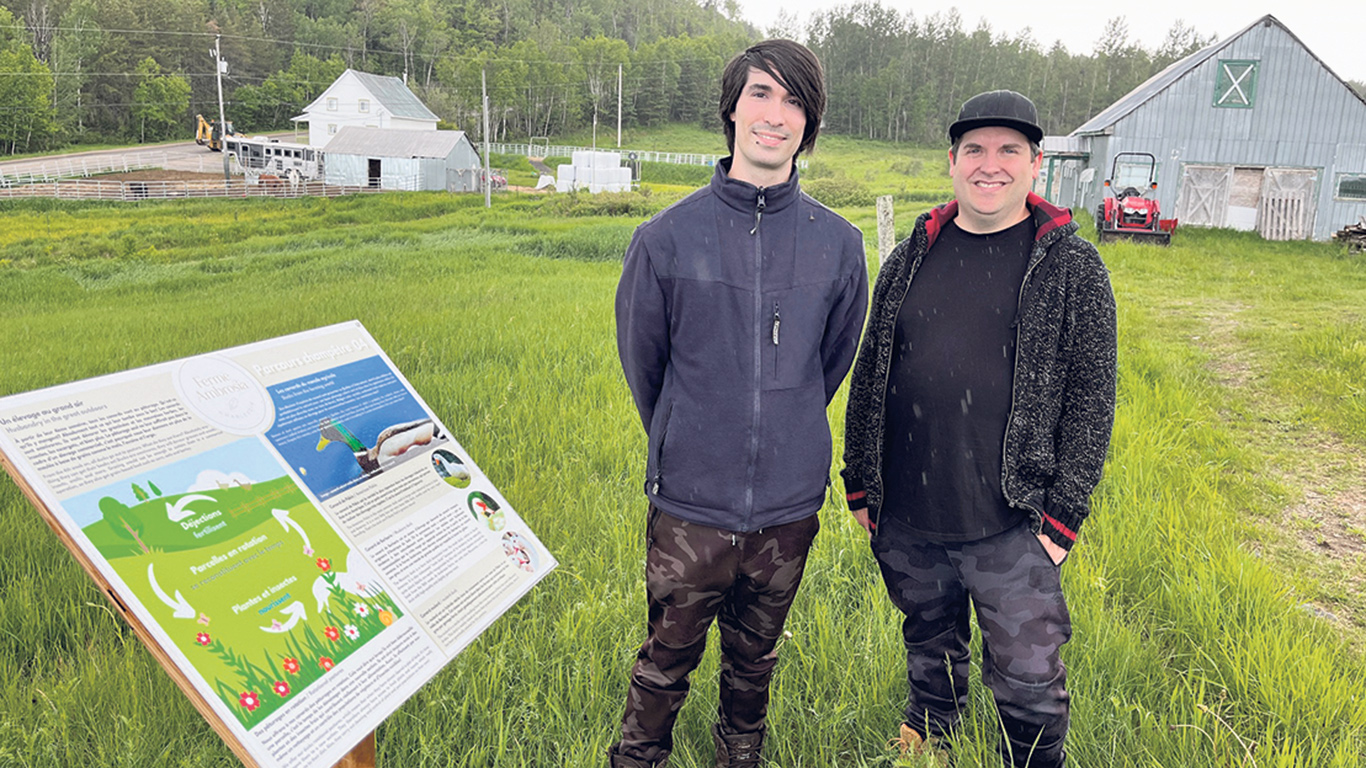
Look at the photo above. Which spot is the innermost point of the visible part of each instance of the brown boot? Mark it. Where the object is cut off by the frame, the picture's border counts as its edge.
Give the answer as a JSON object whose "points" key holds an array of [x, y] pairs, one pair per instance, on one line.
{"points": [[911, 745], [740, 750]]}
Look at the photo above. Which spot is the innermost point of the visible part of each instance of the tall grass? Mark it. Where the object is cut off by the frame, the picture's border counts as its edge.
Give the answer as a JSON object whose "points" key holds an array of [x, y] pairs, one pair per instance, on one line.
{"points": [[1189, 646]]}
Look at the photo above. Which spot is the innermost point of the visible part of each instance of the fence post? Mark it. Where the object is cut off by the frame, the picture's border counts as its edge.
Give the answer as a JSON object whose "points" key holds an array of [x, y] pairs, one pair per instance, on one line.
{"points": [[886, 229]]}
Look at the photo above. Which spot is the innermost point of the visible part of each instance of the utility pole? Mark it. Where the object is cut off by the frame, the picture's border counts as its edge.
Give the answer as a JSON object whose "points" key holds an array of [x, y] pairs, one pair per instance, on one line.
{"points": [[219, 65], [488, 180], [618, 106]]}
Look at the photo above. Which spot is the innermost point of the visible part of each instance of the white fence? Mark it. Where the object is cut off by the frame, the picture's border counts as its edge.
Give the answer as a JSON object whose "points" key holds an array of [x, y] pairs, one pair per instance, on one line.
{"points": [[543, 150], [676, 158], [83, 167], [131, 191]]}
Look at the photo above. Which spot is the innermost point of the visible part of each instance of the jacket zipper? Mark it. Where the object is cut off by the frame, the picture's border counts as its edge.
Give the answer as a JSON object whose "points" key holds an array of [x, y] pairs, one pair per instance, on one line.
{"points": [[777, 323], [758, 361], [659, 454], [1014, 376]]}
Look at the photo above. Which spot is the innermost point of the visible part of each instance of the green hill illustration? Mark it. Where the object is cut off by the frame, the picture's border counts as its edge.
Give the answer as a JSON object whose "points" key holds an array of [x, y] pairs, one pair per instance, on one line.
{"points": [[186, 521]]}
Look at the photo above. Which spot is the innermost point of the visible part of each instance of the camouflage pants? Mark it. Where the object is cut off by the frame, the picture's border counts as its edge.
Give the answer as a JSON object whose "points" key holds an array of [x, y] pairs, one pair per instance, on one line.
{"points": [[694, 574], [1017, 593]]}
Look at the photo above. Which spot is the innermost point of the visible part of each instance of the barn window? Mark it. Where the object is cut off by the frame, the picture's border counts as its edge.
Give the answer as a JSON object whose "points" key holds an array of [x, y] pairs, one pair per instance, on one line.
{"points": [[1351, 186], [331, 129], [331, 104], [1236, 84], [365, 105]]}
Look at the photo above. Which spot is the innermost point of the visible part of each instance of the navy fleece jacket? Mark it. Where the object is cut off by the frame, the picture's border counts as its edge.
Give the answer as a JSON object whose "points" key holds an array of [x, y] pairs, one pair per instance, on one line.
{"points": [[738, 315]]}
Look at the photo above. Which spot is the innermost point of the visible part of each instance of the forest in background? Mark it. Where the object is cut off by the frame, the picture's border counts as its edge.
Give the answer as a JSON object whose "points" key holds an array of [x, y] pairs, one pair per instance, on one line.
{"points": [[107, 71]]}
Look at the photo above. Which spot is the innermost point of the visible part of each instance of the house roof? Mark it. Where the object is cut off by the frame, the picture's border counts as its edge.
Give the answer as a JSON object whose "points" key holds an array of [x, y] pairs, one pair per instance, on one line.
{"points": [[394, 95], [388, 92], [1159, 82], [393, 142]]}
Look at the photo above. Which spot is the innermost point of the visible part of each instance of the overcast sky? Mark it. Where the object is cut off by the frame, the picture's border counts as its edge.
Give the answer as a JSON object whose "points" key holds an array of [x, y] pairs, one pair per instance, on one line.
{"points": [[1332, 29]]}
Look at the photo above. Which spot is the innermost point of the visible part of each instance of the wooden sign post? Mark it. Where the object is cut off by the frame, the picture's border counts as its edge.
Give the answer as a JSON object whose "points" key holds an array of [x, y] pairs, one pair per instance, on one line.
{"points": [[363, 756]]}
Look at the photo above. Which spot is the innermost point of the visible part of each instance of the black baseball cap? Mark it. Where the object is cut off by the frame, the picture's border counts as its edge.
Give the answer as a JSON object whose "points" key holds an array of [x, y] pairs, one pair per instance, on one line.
{"points": [[1006, 108]]}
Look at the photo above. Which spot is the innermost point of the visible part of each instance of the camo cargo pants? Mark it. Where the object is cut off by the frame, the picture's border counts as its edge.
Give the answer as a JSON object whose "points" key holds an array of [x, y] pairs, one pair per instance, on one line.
{"points": [[1017, 593], [694, 574]]}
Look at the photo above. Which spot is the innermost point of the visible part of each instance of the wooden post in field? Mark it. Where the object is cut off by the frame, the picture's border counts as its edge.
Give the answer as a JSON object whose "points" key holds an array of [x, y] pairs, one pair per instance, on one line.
{"points": [[886, 229], [363, 756]]}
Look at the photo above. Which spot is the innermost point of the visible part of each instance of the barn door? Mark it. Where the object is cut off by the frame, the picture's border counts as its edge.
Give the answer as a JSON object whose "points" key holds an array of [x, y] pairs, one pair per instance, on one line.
{"points": [[1204, 195], [1286, 208]]}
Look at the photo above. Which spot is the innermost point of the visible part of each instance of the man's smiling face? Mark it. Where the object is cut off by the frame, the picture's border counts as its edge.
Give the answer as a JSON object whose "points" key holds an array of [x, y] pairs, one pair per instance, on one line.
{"points": [[992, 174], [769, 123]]}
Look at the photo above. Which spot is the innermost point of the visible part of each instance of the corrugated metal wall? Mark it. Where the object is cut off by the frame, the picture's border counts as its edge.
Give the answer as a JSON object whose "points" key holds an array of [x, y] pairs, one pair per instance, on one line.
{"points": [[464, 158], [400, 172], [1302, 117], [395, 172]]}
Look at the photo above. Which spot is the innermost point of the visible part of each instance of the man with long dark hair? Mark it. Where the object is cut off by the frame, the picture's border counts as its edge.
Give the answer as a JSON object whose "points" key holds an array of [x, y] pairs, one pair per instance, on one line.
{"points": [[738, 315]]}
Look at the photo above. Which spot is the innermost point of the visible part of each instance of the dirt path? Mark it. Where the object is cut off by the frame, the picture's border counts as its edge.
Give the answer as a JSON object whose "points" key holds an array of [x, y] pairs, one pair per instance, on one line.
{"points": [[1322, 530]]}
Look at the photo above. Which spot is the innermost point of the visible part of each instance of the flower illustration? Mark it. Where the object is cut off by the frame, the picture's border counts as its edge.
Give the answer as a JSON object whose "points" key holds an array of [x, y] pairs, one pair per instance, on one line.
{"points": [[326, 663], [362, 610], [291, 666], [332, 633], [249, 700], [282, 688], [324, 563], [203, 638], [385, 617], [351, 632]]}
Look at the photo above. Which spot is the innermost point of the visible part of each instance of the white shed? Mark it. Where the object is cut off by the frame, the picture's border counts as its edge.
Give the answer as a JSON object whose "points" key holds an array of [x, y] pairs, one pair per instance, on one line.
{"points": [[364, 100], [399, 159]]}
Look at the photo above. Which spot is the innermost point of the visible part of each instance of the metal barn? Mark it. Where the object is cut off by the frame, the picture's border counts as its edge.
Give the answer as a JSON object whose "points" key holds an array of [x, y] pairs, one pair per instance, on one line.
{"points": [[1251, 133], [401, 159]]}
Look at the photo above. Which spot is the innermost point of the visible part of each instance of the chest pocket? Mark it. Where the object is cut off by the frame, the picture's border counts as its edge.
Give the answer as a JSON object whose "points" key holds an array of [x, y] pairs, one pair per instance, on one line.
{"points": [[792, 327]]}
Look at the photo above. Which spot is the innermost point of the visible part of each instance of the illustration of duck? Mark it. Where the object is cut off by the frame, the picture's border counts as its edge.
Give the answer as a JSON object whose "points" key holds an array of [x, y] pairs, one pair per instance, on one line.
{"points": [[392, 442]]}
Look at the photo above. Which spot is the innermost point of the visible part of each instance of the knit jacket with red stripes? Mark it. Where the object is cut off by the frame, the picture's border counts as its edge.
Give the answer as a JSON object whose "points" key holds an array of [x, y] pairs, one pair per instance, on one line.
{"points": [[1063, 394]]}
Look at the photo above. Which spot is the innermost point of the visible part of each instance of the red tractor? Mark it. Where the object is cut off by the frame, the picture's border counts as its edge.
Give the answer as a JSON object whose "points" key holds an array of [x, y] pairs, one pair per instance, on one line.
{"points": [[1130, 214]]}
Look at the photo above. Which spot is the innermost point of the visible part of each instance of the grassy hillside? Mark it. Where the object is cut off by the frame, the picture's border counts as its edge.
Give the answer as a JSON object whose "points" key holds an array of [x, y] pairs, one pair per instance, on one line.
{"points": [[1215, 592]]}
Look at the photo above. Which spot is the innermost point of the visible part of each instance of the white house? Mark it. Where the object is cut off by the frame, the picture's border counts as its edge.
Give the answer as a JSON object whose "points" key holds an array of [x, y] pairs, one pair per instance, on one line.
{"points": [[364, 100]]}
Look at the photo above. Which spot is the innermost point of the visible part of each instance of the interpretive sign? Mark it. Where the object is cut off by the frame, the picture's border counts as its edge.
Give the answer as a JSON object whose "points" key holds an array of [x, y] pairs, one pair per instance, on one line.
{"points": [[288, 527]]}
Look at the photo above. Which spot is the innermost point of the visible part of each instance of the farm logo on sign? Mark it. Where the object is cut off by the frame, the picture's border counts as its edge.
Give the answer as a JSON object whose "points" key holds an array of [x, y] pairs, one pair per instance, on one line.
{"points": [[222, 393]]}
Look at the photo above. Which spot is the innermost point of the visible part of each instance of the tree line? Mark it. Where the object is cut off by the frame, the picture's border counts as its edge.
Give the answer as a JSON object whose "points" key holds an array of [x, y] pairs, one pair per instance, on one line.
{"points": [[79, 71]]}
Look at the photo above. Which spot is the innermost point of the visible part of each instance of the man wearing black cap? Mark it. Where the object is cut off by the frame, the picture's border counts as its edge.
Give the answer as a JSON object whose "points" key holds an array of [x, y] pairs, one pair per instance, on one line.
{"points": [[979, 415]]}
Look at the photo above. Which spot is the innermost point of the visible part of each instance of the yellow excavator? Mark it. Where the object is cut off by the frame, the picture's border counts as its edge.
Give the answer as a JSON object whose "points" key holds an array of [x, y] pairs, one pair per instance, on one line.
{"points": [[207, 134]]}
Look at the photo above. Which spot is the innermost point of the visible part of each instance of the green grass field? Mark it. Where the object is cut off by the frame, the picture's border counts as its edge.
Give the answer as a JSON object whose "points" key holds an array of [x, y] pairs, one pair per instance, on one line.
{"points": [[1216, 591]]}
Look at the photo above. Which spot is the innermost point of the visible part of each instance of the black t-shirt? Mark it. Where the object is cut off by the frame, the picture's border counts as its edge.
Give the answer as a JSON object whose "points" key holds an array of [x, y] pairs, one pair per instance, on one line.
{"points": [[949, 389]]}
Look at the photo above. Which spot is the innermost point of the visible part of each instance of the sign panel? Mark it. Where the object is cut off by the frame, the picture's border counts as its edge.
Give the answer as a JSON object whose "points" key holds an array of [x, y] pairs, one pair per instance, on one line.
{"points": [[289, 528]]}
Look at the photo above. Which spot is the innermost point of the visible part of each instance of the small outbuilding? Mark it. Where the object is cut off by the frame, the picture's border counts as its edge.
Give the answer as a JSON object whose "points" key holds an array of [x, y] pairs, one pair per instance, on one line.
{"points": [[365, 100], [1254, 133], [397, 159]]}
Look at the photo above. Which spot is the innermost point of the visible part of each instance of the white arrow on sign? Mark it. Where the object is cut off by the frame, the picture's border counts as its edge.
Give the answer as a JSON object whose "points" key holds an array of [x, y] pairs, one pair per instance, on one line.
{"points": [[283, 516], [179, 605], [295, 611], [178, 512]]}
